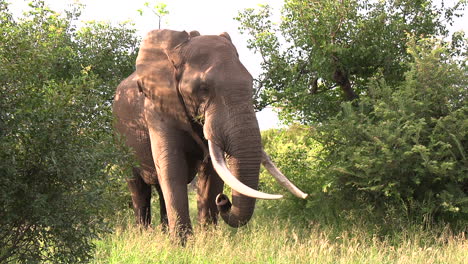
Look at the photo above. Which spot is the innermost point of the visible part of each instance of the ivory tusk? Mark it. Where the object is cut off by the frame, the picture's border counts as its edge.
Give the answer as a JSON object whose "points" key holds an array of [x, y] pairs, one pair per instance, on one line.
{"points": [[282, 180], [219, 164]]}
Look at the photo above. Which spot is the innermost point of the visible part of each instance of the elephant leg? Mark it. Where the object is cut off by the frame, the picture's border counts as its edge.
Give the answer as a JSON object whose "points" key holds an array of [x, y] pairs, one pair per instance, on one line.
{"points": [[141, 198], [172, 172], [162, 209], [173, 181], [168, 149], [209, 185]]}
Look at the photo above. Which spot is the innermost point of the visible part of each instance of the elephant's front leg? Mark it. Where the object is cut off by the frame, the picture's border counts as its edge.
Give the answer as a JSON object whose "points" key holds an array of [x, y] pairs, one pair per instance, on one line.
{"points": [[209, 185], [172, 170], [172, 176]]}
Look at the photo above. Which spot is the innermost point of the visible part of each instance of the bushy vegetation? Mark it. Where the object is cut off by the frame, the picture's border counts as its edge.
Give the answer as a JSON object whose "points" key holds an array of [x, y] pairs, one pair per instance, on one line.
{"points": [[383, 97], [406, 145], [297, 153], [399, 153], [59, 181]]}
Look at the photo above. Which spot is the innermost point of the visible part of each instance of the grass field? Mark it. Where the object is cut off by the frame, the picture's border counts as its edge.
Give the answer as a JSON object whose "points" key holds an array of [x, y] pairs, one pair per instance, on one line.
{"points": [[267, 240]]}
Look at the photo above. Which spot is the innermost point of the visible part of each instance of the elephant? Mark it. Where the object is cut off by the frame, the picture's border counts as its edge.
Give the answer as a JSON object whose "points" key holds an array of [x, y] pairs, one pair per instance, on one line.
{"points": [[187, 110]]}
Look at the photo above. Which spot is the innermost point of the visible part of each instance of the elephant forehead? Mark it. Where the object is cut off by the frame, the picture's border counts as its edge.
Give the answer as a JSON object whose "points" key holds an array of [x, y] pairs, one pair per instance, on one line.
{"points": [[219, 74], [204, 48], [209, 40]]}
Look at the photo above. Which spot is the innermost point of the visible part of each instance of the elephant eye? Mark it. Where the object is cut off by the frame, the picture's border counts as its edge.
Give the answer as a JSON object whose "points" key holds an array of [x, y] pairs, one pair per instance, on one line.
{"points": [[203, 89]]}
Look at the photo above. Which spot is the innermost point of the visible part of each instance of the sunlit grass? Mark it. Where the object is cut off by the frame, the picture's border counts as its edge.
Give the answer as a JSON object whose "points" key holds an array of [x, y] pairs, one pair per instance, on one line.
{"points": [[272, 240], [276, 243]]}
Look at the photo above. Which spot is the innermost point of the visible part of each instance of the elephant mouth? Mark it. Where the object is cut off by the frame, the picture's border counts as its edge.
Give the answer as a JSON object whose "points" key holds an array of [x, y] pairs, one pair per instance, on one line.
{"points": [[219, 164]]}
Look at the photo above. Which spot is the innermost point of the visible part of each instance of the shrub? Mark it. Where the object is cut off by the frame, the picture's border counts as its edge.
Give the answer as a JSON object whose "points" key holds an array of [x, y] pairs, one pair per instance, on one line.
{"points": [[297, 154], [405, 147], [59, 182]]}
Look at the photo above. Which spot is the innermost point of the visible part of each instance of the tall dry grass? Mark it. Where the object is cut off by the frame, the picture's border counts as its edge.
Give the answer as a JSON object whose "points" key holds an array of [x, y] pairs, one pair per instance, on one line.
{"points": [[267, 240]]}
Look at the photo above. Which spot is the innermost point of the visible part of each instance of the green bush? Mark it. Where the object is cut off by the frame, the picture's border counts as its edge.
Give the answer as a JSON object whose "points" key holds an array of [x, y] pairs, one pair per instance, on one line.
{"points": [[59, 182], [297, 154], [405, 147]]}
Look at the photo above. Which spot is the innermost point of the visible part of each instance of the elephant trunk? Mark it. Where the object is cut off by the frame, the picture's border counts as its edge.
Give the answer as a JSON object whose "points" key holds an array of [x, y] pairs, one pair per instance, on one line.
{"points": [[242, 144]]}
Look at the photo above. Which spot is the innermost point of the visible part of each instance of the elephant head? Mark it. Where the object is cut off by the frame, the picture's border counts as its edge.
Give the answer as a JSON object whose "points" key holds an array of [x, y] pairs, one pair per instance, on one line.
{"points": [[198, 85]]}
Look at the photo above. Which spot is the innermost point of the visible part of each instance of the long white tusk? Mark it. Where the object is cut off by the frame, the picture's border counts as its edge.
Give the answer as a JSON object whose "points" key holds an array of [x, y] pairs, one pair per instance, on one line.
{"points": [[273, 170], [219, 164]]}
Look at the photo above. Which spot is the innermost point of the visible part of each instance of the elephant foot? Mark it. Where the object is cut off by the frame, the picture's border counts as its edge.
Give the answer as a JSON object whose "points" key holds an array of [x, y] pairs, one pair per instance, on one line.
{"points": [[143, 216], [181, 235], [164, 227]]}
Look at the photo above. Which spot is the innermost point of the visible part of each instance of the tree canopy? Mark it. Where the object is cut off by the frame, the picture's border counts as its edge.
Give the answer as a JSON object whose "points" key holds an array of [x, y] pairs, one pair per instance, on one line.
{"points": [[325, 52]]}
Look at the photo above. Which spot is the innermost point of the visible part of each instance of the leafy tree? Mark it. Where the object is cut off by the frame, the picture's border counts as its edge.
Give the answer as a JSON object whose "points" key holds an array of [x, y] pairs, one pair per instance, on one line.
{"points": [[109, 50], [406, 146], [325, 52], [398, 154], [387, 103], [59, 181]]}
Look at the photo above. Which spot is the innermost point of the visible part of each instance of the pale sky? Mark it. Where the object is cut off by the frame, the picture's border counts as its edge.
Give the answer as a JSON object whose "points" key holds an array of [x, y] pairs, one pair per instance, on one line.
{"points": [[207, 16]]}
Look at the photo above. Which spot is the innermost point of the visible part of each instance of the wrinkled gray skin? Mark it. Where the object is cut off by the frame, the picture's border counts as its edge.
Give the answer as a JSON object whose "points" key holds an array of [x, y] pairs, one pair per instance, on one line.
{"points": [[188, 89]]}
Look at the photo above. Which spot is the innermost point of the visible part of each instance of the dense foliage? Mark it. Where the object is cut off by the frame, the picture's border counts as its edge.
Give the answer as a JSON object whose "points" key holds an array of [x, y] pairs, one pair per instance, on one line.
{"points": [[383, 97], [406, 146], [58, 178], [399, 152], [296, 152], [322, 53]]}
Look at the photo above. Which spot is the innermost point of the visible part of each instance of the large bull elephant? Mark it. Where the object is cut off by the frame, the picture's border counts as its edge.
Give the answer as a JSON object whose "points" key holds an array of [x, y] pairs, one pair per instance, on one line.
{"points": [[187, 109]]}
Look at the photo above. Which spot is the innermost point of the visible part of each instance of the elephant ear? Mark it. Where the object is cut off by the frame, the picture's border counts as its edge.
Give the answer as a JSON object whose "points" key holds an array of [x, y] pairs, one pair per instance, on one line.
{"points": [[156, 71], [194, 33], [226, 36]]}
